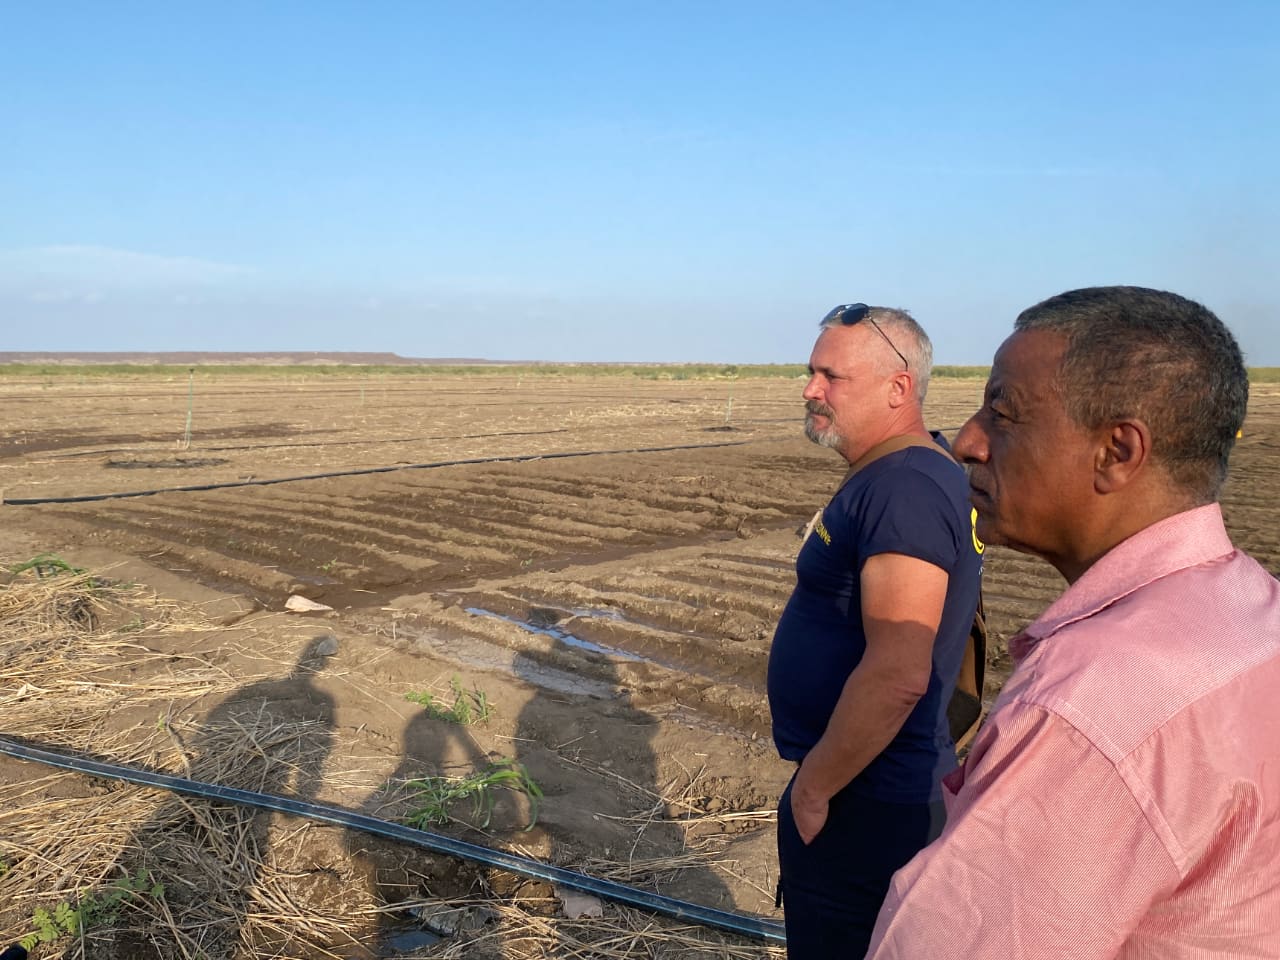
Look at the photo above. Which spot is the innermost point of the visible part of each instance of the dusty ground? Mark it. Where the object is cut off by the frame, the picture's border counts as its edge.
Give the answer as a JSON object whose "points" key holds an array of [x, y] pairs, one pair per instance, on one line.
{"points": [[614, 606]]}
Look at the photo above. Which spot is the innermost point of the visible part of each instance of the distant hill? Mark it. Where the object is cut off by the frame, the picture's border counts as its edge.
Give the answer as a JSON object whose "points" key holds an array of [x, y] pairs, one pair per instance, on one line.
{"points": [[266, 358]]}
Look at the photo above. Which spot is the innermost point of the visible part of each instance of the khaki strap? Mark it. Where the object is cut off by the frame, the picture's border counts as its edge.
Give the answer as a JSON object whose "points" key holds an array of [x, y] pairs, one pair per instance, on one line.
{"points": [[893, 445], [882, 449]]}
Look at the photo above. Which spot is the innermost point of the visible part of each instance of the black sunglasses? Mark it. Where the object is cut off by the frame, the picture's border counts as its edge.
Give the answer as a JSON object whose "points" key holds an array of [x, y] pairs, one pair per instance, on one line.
{"points": [[850, 313]]}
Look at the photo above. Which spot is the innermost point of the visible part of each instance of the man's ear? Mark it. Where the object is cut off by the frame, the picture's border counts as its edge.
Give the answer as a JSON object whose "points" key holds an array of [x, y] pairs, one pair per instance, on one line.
{"points": [[1123, 452], [902, 388]]}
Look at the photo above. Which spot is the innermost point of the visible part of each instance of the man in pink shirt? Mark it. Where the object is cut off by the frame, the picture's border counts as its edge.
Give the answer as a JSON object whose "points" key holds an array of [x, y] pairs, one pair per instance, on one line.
{"points": [[1123, 798]]}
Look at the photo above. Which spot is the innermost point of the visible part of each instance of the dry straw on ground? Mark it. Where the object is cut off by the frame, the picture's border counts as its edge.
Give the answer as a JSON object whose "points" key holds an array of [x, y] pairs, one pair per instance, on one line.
{"points": [[102, 668]]}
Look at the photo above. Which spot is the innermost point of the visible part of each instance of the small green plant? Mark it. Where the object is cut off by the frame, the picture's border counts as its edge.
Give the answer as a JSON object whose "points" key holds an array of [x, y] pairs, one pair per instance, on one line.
{"points": [[326, 567], [93, 909], [4, 867], [469, 706], [46, 565], [435, 795]]}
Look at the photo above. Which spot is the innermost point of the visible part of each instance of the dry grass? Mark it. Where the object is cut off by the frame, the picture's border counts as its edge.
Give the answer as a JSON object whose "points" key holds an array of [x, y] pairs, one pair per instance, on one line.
{"points": [[105, 669], [65, 642], [513, 933]]}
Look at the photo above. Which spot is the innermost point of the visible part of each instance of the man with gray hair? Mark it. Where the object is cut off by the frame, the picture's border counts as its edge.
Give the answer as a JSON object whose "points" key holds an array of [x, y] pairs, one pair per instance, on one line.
{"points": [[869, 648], [1123, 798]]}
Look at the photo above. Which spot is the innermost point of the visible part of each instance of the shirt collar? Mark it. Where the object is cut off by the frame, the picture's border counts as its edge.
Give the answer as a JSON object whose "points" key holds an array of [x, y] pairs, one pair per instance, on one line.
{"points": [[1175, 543]]}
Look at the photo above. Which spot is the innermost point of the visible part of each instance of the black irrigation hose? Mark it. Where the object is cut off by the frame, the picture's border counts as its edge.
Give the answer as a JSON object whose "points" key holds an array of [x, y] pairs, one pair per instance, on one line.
{"points": [[519, 458], [525, 866]]}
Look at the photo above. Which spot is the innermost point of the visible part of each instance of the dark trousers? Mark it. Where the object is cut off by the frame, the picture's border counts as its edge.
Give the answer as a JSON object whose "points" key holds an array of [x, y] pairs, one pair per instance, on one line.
{"points": [[833, 888]]}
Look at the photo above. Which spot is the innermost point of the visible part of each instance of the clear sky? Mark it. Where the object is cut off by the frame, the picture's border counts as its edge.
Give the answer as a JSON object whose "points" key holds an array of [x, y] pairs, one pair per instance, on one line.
{"points": [[624, 181]]}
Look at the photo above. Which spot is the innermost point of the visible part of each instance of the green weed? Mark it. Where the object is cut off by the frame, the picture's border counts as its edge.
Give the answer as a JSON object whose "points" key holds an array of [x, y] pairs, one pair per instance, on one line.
{"points": [[469, 706], [94, 909], [435, 795], [46, 565]]}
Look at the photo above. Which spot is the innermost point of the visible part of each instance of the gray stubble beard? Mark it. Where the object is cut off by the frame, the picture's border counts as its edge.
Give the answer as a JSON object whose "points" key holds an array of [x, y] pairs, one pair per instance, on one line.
{"points": [[823, 438]]}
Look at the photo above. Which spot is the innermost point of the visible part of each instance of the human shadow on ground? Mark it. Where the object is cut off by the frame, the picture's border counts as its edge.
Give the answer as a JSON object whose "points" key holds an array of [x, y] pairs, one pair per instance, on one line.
{"points": [[272, 736], [609, 815], [431, 747], [590, 750]]}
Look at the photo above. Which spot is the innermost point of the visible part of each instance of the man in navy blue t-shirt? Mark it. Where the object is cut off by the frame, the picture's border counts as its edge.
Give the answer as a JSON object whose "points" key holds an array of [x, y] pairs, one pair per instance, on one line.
{"points": [[870, 645]]}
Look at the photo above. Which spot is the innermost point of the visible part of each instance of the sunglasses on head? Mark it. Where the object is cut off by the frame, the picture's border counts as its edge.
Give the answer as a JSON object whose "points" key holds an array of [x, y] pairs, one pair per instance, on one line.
{"points": [[848, 314]]}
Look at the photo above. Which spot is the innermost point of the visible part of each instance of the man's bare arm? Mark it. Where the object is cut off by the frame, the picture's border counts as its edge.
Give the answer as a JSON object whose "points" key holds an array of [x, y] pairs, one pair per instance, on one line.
{"points": [[902, 599]]}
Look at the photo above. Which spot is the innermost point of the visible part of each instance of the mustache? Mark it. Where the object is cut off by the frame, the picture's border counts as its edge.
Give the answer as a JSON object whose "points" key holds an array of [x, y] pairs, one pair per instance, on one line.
{"points": [[821, 409]]}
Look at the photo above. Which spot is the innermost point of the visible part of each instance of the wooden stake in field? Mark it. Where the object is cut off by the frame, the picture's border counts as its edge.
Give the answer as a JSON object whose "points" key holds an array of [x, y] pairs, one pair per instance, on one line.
{"points": [[732, 371]]}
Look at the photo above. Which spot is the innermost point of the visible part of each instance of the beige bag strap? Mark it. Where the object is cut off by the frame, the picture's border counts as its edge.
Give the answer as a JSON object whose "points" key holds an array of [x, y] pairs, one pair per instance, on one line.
{"points": [[893, 445], [882, 449]]}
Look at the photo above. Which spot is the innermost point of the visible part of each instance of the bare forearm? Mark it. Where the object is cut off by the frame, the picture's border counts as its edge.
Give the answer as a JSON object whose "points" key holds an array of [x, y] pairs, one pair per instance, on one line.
{"points": [[871, 710]]}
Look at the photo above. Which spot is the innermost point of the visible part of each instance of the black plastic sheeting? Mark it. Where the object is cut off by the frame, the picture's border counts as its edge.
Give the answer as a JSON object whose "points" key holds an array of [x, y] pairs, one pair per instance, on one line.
{"points": [[757, 927]]}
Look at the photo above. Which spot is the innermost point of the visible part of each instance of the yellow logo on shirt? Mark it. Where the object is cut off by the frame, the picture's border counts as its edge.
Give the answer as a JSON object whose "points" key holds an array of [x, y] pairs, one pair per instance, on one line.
{"points": [[978, 545], [820, 529]]}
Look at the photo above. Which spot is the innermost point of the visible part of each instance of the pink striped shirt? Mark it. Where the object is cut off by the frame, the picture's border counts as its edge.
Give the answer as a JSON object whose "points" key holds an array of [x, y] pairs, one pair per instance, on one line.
{"points": [[1123, 798]]}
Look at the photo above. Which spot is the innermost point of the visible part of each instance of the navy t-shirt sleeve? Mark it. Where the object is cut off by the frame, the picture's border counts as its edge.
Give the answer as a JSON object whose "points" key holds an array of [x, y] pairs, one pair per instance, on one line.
{"points": [[905, 511]]}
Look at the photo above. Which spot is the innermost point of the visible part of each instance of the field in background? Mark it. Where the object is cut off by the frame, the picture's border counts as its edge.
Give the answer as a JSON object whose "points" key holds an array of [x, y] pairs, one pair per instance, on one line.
{"points": [[478, 485], [648, 371], [370, 374]]}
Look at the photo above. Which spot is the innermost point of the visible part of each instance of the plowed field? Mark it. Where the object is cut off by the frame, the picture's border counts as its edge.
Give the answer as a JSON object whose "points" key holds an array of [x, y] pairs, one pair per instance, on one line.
{"points": [[604, 557]]}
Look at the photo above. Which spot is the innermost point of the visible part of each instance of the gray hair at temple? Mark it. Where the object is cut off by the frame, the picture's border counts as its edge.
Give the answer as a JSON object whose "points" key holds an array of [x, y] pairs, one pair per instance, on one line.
{"points": [[1157, 357], [908, 337]]}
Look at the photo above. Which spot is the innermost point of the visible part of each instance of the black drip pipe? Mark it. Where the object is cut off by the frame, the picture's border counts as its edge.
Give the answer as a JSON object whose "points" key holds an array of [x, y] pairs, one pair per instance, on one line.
{"points": [[520, 458], [607, 889]]}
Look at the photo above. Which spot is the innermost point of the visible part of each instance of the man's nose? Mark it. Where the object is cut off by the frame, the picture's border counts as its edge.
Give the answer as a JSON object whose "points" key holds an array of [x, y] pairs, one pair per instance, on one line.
{"points": [[971, 442], [812, 389]]}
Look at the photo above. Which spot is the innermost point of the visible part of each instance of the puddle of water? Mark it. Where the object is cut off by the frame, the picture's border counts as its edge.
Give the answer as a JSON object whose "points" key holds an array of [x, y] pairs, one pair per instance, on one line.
{"points": [[599, 613], [311, 580], [406, 940], [550, 616], [484, 655], [541, 622]]}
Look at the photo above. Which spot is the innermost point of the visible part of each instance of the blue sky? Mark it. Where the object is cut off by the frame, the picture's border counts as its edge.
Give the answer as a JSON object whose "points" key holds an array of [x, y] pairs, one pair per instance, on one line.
{"points": [[624, 181]]}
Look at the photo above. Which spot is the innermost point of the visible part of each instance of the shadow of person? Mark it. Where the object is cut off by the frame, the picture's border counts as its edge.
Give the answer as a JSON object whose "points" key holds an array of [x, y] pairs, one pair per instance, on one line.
{"points": [[590, 750], [272, 736], [431, 747], [605, 810]]}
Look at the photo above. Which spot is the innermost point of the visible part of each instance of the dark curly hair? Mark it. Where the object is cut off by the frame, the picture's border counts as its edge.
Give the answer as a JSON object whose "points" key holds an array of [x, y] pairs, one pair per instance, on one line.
{"points": [[1158, 357]]}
